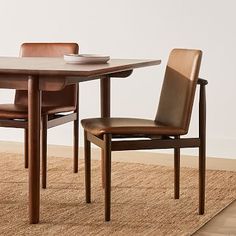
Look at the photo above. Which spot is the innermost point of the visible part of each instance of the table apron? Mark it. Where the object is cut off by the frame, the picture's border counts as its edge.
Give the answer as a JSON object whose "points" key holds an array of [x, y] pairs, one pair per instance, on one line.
{"points": [[20, 82], [52, 82]]}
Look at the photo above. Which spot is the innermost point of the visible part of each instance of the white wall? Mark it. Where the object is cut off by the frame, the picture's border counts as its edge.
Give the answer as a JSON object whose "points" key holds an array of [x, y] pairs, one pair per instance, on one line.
{"points": [[135, 29]]}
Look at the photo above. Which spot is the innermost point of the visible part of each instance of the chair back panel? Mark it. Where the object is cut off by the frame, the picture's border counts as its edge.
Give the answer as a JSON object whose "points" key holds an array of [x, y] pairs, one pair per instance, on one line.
{"points": [[178, 89], [65, 97]]}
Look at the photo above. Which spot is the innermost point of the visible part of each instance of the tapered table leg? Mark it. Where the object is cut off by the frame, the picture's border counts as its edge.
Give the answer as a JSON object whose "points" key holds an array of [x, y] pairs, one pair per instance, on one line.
{"points": [[105, 110], [76, 136], [34, 114]]}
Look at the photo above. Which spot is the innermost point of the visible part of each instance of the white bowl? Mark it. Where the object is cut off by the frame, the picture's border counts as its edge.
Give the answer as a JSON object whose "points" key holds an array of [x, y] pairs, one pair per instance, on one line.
{"points": [[85, 59]]}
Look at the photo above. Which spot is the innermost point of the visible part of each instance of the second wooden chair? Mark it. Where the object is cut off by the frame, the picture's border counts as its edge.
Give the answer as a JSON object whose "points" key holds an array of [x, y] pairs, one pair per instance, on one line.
{"points": [[54, 104]]}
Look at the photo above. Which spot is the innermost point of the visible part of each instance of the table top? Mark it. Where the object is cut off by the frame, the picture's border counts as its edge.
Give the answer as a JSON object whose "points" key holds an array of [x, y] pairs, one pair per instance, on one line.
{"points": [[57, 66]]}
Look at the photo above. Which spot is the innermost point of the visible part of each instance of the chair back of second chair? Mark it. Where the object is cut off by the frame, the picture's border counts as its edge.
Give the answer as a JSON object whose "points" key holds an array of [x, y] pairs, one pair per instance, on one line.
{"points": [[64, 98], [178, 89]]}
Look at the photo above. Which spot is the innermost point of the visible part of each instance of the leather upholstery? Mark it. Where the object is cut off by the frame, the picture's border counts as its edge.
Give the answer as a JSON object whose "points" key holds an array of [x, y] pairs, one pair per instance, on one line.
{"points": [[52, 102], [175, 105], [178, 90], [100, 126], [65, 97], [47, 49]]}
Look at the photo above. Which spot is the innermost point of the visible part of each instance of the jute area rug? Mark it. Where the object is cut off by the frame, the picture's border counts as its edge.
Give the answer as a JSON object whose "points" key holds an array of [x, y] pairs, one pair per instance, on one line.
{"points": [[142, 200]]}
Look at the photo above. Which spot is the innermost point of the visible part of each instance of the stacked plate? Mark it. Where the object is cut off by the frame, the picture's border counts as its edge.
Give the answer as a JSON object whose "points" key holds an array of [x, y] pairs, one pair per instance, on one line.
{"points": [[85, 59]]}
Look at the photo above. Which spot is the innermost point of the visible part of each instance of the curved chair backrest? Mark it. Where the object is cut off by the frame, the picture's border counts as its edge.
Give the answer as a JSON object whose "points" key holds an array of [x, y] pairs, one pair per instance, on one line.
{"points": [[178, 89], [65, 97]]}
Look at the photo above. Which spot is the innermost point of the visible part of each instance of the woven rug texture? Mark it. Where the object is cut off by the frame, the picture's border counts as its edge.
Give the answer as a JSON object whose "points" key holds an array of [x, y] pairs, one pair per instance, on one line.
{"points": [[142, 199]]}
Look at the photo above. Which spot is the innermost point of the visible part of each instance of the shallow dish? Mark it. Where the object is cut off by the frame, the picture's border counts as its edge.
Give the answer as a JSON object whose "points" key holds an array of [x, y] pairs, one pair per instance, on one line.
{"points": [[85, 59]]}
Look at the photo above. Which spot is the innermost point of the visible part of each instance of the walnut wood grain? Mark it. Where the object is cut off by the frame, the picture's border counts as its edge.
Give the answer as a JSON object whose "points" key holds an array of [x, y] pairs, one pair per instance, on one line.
{"points": [[34, 97], [46, 83], [54, 74], [57, 66]]}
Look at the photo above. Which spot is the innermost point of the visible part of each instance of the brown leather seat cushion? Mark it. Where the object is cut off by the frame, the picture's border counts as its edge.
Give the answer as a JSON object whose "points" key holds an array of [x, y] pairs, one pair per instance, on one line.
{"points": [[128, 126], [14, 111]]}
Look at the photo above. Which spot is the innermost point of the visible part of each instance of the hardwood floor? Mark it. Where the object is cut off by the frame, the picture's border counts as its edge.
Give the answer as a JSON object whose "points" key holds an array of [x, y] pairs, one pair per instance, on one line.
{"points": [[223, 224]]}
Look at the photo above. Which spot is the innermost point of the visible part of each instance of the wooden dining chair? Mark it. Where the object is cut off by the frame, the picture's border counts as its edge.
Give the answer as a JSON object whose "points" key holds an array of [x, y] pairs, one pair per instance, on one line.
{"points": [[165, 131], [55, 104]]}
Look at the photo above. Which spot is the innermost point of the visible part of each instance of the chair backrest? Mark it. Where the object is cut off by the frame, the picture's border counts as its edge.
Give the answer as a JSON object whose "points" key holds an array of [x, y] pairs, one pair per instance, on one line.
{"points": [[65, 97], [178, 89]]}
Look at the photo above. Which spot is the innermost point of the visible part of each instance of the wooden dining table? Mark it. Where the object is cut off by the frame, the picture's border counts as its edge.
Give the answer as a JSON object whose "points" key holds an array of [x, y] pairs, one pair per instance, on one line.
{"points": [[37, 74]]}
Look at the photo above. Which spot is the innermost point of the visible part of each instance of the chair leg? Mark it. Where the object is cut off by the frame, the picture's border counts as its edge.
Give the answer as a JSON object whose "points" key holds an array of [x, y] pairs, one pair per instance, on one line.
{"points": [[202, 149], [76, 145], [107, 175], [44, 150], [102, 169], [202, 174], [87, 160], [176, 172], [26, 149]]}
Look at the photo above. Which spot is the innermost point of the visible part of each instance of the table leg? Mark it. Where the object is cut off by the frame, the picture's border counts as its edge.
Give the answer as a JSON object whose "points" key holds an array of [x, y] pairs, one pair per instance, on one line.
{"points": [[76, 135], [34, 116], [105, 110]]}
